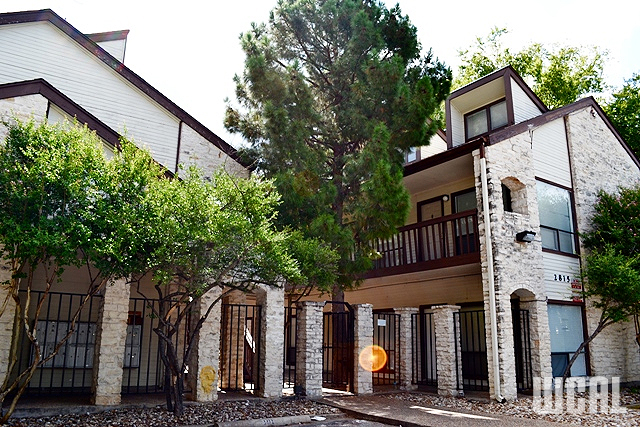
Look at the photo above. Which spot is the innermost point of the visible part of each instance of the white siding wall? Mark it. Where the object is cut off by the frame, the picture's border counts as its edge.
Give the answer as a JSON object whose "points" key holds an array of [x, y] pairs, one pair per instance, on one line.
{"points": [[457, 127], [551, 154], [559, 273], [57, 115], [436, 145], [523, 107], [40, 50]]}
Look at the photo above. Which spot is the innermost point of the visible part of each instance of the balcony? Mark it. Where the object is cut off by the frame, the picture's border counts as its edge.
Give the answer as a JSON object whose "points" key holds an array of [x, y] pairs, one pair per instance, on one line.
{"points": [[442, 242]]}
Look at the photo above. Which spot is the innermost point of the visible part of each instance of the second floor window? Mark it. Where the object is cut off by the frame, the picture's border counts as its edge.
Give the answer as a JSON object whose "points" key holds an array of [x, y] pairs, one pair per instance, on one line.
{"points": [[488, 118], [556, 218]]}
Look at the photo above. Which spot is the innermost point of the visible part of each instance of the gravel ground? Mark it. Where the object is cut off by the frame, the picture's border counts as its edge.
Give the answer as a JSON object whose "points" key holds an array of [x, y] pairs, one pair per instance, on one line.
{"points": [[227, 410], [194, 414], [523, 408]]}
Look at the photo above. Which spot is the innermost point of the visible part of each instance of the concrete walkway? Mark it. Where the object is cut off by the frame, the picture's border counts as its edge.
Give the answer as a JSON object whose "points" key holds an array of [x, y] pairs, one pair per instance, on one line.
{"points": [[408, 414]]}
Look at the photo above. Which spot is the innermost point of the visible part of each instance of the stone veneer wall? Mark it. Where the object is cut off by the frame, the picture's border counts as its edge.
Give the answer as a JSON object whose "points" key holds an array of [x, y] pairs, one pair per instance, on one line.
{"points": [[111, 334], [363, 338], [406, 347], [309, 349], [205, 357], [23, 108], [194, 149], [518, 267], [271, 339], [448, 349], [600, 162], [7, 320]]}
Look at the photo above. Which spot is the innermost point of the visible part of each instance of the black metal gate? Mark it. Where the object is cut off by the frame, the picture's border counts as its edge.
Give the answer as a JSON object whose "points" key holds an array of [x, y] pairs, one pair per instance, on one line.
{"points": [[522, 349], [70, 371], [240, 347], [143, 370], [386, 334], [338, 348], [289, 357], [475, 373], [423, 345]]}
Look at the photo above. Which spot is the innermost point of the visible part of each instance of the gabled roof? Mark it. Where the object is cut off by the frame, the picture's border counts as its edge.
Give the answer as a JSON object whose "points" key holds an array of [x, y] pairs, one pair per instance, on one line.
{"points": [[507, 71], [549, 116], [42, 87], [84, 41]]}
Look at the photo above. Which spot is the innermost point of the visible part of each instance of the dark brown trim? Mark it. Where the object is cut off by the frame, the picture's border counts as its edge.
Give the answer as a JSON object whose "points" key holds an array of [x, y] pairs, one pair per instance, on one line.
{"points": [[53, 95], [126, 73], [550, 116], [561, 302], [507, 73], [426, 202], [551, 251], [555, 184], [108, 36], [179, 143], [574, 219], [443, 157], [465, 259]]}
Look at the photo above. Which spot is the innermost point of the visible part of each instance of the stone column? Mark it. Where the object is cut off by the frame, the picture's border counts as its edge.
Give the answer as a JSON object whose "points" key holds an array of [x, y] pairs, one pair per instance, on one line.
{"points": [[406, 356], [362, 343], [448, 349], [506, 349], [111, 333], [271, 351], [309, 349], [7, 321], [540, 336], [204, 363]]}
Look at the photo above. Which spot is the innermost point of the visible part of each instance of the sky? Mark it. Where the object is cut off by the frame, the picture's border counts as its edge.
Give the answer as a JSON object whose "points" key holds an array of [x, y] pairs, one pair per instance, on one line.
{"points": [[189, 50]]}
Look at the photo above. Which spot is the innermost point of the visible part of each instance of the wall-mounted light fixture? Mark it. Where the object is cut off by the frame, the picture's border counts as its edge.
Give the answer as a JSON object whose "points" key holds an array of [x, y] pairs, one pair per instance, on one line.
{"points": [[525, 236], [445, 198]]}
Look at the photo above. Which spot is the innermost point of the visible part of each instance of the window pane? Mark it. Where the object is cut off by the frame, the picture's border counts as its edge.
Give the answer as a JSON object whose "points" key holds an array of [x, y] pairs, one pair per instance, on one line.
{"points": [[498, 115], [549, 239], [465, 202], [565, 324], [477, 124], [411, 155], [554, 204]]}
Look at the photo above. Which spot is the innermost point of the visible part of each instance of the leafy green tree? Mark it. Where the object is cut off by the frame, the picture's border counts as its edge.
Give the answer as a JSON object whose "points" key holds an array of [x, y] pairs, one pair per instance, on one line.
{"points": [[207, 235], [332, 94], [558, 76], [624, 112], [611, 273], [64, 207]]}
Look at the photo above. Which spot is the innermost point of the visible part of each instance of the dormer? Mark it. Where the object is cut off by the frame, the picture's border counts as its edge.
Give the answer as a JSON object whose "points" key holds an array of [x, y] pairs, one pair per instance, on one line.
{"points": [[494, 102], [114, 42]]}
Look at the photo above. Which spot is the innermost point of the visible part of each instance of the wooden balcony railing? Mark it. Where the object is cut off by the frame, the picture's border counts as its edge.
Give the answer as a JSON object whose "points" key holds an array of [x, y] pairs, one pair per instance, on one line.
{"points": [[442, 242]]}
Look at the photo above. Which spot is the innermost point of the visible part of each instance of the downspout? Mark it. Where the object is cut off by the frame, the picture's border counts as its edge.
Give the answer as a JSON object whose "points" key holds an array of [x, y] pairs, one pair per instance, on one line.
{"points": [[490, 274]]}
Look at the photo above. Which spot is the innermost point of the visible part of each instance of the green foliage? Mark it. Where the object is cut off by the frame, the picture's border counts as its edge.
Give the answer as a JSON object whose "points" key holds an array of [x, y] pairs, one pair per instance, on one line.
{"points": [[332, 94], [613, 282], [65, 205], [611, 271], [624, 112], [558, 76]]}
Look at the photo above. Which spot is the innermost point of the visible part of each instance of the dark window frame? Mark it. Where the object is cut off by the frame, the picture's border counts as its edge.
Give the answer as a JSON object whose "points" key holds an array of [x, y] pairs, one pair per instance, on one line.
{"points": [[486, 107], [574, 224]]}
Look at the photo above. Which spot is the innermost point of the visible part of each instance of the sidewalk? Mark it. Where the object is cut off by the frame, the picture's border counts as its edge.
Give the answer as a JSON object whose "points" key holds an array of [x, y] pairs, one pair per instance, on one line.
{"points": [[407, 414]]}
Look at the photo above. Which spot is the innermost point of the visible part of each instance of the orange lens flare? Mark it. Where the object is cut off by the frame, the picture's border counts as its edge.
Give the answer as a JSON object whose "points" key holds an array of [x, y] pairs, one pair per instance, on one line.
{"points": [[373, 358]]}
